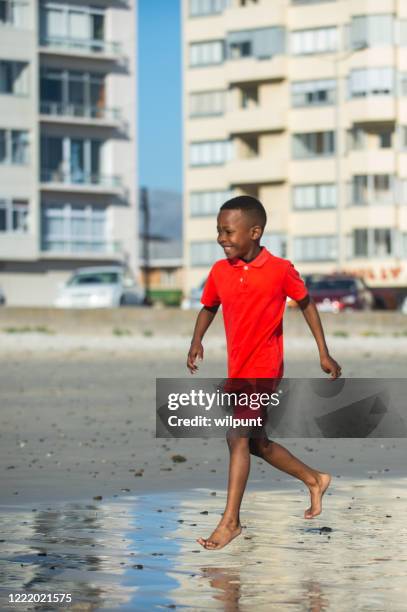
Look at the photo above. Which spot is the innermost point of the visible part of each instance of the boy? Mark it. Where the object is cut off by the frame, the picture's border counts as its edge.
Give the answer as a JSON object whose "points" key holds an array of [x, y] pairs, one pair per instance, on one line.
{"points": [[252, 285]]}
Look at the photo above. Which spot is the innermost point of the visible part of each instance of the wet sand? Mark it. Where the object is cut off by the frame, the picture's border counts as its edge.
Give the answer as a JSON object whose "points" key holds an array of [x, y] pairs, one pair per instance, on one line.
{"points": [[139, 553], [79, 422]]}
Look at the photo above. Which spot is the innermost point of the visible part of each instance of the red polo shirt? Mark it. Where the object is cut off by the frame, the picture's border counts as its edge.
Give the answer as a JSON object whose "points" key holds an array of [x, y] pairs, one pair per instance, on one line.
{"points": [[253, 297]]}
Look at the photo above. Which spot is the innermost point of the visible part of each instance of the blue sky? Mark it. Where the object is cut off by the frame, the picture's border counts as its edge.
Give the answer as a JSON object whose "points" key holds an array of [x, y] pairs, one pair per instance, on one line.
{"points": [[159, 94]]}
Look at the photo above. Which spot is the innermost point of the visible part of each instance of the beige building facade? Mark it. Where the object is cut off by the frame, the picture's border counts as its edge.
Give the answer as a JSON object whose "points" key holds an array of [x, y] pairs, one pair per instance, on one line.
{"points": [[68, 195], [302, 104]]}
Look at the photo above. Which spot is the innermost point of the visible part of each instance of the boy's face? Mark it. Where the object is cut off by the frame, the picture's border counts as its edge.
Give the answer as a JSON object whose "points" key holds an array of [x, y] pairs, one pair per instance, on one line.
{"points": [[237, 233]]}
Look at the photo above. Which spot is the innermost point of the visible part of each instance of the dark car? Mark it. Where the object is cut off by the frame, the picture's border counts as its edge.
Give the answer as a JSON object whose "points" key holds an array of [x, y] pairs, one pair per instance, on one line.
{"points": [[338, 293]]}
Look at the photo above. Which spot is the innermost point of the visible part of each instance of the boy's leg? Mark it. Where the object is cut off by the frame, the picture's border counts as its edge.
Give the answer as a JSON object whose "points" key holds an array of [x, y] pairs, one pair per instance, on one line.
{"points": [[281, 458], [239, 466]]}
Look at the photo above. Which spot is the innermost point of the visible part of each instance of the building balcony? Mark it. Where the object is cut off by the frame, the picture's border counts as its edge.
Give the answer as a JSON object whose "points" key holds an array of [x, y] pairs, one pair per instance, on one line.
{"points": [[370, 196], [375, 161], [255, 120], [254, 16], [80, 182], [78, 114], [371, 109], [108, 250], [18, 246], [255, 171], [81, 47], [253, 70]]}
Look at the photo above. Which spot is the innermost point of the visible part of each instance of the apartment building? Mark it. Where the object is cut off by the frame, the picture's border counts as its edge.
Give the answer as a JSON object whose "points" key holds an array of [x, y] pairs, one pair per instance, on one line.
{"points": [[303, 104], [68, 192]]}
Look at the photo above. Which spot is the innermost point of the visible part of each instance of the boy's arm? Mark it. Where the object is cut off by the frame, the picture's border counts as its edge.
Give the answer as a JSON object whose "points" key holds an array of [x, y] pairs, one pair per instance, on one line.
{"points": [[311, 315], [204, 319]]}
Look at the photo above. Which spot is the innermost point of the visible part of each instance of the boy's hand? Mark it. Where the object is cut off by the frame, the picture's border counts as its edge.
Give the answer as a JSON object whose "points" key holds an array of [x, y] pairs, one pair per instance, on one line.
{"points": [[195, 352], [330, 366]]}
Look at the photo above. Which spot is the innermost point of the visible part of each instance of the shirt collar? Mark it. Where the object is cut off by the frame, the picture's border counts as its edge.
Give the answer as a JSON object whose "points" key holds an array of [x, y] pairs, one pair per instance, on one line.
{"points": [[257, 262]]}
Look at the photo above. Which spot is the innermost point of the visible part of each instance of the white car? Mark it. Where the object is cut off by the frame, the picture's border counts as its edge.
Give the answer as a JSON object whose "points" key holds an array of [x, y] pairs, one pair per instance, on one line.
{"points": [[100, 287]]}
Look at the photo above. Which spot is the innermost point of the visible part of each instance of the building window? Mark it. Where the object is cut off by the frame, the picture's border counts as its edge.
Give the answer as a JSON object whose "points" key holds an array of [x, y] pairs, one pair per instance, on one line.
{"points": [[372, 30], [372, 189], [249, 96], [200, 8], [313, 93], [380, 138], [310, 197], [168, 278], [403, 31], [74, 228], [205, 253], [357, 139], [315, 248], [72, 160], [373, 242], [207, 103], [310, 1], [248, 2], [214, 152], [276, 243], [206, 53], [260, 43], [316, 40], [81, 27], [385, 139], [13, 13], [240, 49], [13, 78], [403, 83], [13, 147], [404, 137], [74, 93], [371, 82], [204, 203], [13, 215], [313, 144]]}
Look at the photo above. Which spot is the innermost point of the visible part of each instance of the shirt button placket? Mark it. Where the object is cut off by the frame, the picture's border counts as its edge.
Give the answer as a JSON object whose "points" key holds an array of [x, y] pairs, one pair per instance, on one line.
{"points": [[244, 278]]}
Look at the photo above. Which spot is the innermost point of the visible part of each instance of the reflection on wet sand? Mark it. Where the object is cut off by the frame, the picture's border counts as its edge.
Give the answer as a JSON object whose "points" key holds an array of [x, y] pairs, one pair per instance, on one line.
{"points": [[353, 556], [228, 589], [75, 549], [226, 584], [140, 553]]}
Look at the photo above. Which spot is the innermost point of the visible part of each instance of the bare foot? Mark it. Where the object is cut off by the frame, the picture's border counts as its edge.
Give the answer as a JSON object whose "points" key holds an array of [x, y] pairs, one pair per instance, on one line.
{"points": [[223, 534], [317, 491]]}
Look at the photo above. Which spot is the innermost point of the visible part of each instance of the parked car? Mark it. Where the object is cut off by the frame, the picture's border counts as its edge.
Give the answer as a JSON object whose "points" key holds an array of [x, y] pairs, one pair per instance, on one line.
{"points": [[404, 306], [335, 293], [2, 297], [100, 287], [193, 301]]}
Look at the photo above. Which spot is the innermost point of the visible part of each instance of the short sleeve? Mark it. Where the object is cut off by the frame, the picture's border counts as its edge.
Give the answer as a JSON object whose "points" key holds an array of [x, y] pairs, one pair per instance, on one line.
{"points": [[210, 295], [293, 285]]}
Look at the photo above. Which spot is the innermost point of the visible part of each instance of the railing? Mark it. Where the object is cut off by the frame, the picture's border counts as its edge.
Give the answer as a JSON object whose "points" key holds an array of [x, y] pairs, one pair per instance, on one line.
{"points": [[79, 177], [81, 44], [70, 245], [79, 110]]}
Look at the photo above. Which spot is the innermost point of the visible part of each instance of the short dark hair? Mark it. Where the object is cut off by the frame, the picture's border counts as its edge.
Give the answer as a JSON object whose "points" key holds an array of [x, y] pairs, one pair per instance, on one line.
{"points": [[248, 205]]}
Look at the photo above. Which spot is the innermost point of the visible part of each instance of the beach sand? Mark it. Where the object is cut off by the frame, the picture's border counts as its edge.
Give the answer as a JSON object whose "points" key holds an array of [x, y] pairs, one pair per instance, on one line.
{"points": [[78, 423]]}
